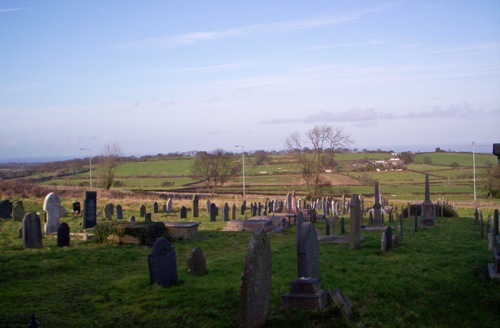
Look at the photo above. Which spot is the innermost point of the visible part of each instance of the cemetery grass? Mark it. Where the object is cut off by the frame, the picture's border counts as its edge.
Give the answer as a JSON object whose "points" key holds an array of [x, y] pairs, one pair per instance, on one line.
{"points": [[436, 277]]}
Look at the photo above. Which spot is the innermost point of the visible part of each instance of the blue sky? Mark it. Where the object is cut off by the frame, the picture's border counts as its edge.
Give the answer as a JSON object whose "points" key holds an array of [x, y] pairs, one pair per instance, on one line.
{"points": [[168, 76]]}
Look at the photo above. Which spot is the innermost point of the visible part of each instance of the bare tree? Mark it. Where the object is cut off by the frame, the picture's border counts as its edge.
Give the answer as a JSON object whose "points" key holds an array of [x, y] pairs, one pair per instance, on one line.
{"points": [[315, 150], [214, 168], [108, 161]]}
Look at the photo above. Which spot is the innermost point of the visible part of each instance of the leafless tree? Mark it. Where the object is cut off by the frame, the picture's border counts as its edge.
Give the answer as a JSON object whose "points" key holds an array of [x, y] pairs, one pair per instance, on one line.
{"points": [[315, 150], [108, 161], [214, 168]]}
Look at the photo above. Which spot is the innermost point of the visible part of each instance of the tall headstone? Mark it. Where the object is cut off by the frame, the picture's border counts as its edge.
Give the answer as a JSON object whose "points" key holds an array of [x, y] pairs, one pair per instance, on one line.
{"points": [[162, 263], [32, 231], [147, 217], [213, 212], [155, 207], [183, 212], [342, 225], [476, 216], [89, 210], [377, 212], [233, 212], [225, 212], [18, 212], [428, 215], [355, 222], [197, 265], [289, 203], [307, 251], [119, 212], [209, 203], [52, 207], [169, 205], [388, 238], [142, 210], [196, 206], [63, 235], [164, 208], [255, 290]]}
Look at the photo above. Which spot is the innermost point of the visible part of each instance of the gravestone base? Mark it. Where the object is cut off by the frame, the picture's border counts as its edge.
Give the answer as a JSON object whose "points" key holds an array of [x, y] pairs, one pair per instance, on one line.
{"points": [[305, 294]]}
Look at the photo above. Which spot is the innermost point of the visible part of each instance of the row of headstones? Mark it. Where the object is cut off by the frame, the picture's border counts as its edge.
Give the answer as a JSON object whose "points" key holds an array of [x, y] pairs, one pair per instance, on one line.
{"points": [[31, 232]]}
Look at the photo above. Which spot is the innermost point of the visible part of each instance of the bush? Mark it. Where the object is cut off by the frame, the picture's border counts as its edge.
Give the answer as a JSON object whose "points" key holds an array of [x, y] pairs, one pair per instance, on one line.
{"points": [[454, 164]]}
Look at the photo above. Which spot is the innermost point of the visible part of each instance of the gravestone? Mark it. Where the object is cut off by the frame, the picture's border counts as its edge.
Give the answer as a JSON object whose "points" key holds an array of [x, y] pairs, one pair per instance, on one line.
{"points": [[342, 225], [307, 251], [377, 212], [225, 212], [213, 212], [169, 205], [32, 231], [183, 212], [388, 238], [209, 203], [428, 215], [233, 212], [119, 212], [155, 207], [162, 263], [108, 211], [76, 207], [63, 235], [147, 217], [18, 212], [89, 210], [196, 205], [495, 222], [5, 209], [476, 216], [196, 262], [164, 208], [255, 290], [142, 211], [327, 228], [131, 218], [52, 206], [355, 222], [383, 243]]}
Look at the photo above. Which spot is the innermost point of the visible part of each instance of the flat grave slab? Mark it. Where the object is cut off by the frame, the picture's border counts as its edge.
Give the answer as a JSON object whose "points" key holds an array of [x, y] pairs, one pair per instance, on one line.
{"points": [[182, 230]]}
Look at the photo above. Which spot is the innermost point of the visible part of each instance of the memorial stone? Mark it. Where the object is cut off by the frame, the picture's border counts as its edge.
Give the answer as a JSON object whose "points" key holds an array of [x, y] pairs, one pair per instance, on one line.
{"points": [[307, 251], [76, 207], [255, 290], [5, 209], [119, 212], [196, 205], [131, 218], [162, 263], [52, 206], [196, 262], [142, 211], [428, 214], [377, 213], [89, 210], [225, 212], [213, 212], [155, 207], [63, 235], [108, 211], [18, 212], [169, 205], [233, 212], [355, 222], [32, 231], [183, 212], [147, 217]]}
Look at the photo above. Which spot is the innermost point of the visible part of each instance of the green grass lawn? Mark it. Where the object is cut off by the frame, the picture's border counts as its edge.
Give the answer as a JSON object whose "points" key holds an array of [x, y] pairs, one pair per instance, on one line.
{"points": [[437, 277]]}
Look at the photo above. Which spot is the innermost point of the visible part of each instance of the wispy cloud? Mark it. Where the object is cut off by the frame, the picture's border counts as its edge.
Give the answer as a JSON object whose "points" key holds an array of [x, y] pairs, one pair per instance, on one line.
{"points": [[365, 115], [8, 10], [190, 38], [214, 68]]}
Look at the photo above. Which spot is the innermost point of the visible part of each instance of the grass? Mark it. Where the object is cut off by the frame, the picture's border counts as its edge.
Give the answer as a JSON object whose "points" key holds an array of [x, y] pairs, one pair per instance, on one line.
{"points": [[437, 277]]}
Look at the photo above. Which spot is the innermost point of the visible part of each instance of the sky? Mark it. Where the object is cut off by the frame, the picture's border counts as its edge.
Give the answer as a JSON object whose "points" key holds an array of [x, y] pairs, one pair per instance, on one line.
{"points": [[175, 76]]}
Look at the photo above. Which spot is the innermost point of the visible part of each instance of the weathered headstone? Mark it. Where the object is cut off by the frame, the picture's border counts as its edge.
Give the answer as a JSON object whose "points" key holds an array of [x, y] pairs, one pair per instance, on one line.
{"points": [[495, 222], [89, 210], [142, 210], [147, 217], [428, 216], [108, 211], [169, 205], [63, 235], [131, 218], [307, 251], [196, 262], [119, 212], [233, 212], [355, 222], [255, 291], [377, 213], [164, 208], [18, 212], [32, 231], [162, 263], [225, 212], [213, 212], [155, 207], [52, 206], [196, 206], [183, 212]]}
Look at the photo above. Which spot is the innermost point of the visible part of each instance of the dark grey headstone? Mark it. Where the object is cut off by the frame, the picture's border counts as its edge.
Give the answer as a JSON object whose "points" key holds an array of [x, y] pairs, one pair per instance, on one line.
{"points": [[183, 212], [32, 231], [255, 291], [495, 222], [119, 212], [233, 212], [5, 209], [131, 218], [155, 207], [342, 225], [147, 217], [225, 212], [162, 263], [196, 206], [108, 211], [63, 235], [197, 265], [89, 210], [327, 228], [213, 212], [307, 251], [388, 238], [428, 215], [355, 222], [18, 212], [142, 210]]}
